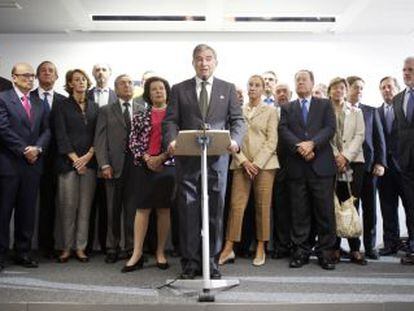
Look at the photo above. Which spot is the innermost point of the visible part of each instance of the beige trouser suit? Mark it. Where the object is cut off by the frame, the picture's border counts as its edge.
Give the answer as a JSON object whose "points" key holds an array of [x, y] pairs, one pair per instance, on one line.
{"points": [[259, 147]]}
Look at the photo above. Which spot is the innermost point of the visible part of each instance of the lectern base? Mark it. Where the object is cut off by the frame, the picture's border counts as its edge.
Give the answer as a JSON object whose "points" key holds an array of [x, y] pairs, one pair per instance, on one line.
{"points": [[199, 284]]}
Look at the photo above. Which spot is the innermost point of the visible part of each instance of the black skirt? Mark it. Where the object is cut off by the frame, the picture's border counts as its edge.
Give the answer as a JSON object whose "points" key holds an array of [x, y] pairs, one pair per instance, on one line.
{"points": [[149, 189]]}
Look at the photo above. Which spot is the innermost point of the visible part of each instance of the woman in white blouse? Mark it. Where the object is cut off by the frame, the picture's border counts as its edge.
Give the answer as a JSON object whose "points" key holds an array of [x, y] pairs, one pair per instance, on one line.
{"points": [[349, 157]]}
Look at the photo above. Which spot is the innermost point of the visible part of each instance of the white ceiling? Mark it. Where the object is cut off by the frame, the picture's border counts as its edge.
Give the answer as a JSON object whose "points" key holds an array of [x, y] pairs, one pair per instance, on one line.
{"points": [[390, 17]]}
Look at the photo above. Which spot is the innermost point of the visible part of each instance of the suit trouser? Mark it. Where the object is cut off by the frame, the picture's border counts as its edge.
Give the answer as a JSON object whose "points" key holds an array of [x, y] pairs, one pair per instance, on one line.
{"points": [[98, 216], [189, 208], [390, 189], [76, 193], [262, 185], [18, 192], [114, 199], [312, 196], [369, 210], [343, 194], [281, 215], [47, 210], [408, 186]]}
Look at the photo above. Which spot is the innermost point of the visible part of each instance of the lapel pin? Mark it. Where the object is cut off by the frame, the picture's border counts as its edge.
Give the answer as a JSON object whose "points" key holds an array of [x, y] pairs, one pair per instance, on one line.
{"points": [[221, 96]]}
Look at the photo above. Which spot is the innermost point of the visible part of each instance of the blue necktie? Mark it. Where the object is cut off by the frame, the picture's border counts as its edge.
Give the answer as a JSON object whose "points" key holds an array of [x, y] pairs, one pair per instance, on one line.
{"points": [[410, 106], [269, 101], [389, 118], [46, 101], [304, 110]]}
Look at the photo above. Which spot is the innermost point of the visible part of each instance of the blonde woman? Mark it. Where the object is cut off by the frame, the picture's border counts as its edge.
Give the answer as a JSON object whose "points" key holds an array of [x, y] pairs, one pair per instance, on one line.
{"points": [[349, 156], [254, 165]]}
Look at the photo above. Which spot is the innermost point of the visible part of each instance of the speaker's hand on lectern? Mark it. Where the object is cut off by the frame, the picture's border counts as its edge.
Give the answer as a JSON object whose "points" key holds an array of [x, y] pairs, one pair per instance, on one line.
{"points": [[171, 148], [234, 147]]}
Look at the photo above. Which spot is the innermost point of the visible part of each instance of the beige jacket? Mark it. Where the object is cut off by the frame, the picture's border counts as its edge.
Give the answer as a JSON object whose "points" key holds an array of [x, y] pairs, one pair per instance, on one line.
{"points": [[353, 134], [260, 141]]}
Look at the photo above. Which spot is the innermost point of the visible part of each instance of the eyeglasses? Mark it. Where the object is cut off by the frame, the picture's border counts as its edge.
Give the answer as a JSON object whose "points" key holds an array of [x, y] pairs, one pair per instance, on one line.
{"points": [[26, 75]]}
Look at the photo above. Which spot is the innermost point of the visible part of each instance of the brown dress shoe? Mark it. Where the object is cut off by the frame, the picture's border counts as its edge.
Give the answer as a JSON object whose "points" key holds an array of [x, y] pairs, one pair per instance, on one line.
{"points": [[357, 258]]}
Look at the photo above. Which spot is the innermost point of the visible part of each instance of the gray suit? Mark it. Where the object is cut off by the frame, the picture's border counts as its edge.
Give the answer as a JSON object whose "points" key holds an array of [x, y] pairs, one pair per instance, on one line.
{"points": [[184, 113], [111, 139]]}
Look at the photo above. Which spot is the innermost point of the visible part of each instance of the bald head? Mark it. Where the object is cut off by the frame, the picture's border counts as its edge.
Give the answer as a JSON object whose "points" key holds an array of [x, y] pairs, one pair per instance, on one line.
{"points": [[101, 73], [23, 77]]}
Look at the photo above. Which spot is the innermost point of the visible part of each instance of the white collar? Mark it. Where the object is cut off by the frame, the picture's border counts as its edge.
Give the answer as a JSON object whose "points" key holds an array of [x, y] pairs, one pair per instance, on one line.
{"points": [[103, 90], [43, 91], [20, 94], [209, 80]]}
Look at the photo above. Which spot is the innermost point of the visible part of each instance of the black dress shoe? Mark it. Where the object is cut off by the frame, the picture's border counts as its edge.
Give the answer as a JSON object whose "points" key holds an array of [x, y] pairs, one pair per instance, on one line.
{"points": [[2, 266], [372, 254], [138, 265], [125, 254], [26, 261], [215, 274], [326, 264], [280, 253], [189, 274], [388, 251], [111, 257], [408, 260], [298, 262], [163, 265]]}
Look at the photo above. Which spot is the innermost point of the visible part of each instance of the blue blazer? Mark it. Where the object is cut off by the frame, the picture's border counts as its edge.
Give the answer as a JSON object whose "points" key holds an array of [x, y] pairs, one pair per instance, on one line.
{"points": [[320, 128], [17, 132], [374, 143]]}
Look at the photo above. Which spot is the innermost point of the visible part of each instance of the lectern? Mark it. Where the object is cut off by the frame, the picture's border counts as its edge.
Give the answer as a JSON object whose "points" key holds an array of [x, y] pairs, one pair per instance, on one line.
{"points": [[204, 143]]}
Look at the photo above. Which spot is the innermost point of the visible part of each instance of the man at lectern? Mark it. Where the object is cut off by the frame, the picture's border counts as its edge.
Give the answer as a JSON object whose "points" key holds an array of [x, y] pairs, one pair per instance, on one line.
{"points": [[195, 102]]}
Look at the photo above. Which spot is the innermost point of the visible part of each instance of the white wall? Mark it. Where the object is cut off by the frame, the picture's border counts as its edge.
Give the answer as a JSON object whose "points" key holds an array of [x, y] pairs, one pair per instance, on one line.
{"points": [[240, 54]]}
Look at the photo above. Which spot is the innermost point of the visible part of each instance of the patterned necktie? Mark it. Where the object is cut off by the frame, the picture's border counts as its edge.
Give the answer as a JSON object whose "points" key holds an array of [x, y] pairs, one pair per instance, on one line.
{"points": [[203, 99], [127, 116], [46, 101], [304, 110], [410, 106], [27, 107], [389, 118]]}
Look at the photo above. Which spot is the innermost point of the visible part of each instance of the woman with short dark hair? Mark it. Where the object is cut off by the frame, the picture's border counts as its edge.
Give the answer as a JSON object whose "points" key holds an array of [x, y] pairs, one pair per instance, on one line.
{"points": [[152, 173]]}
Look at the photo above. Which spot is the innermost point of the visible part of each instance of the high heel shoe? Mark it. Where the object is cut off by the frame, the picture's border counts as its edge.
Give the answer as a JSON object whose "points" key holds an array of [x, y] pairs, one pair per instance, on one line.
{"points": [[80, 255], [63, 258], [230, 258], [259, 261], [138, 265], [163, 265]]}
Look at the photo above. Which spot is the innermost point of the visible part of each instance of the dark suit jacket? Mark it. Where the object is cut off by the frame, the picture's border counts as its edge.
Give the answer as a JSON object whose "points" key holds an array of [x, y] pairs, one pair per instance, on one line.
{"points": [[405, 132], [374, 143], [320, 128], [184, 113], [17, 132], [5, 84], [111, 99], [111, 136], [391, 139], [51, 152], [75, 132], [224, 113]]}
